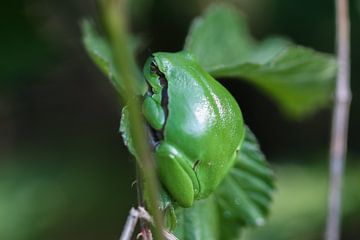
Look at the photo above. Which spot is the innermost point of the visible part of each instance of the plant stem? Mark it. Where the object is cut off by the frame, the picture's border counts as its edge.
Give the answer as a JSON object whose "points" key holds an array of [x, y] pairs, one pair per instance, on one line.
{"points": [[131, 221], [113, 13], [145, 231], [130, 225], [340, 120]]}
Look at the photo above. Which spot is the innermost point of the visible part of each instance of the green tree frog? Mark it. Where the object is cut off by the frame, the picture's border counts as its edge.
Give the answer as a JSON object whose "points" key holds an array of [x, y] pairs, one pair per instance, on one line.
{"points": [[196, 126]]}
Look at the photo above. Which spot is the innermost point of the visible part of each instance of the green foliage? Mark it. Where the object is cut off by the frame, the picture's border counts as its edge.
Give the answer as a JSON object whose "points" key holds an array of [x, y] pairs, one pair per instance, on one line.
{"points": [[57, 197], [299, 79], [48, 195], [245, 195], [100, 52], [125, 131], [299, 211], [199, 222], [243, 199]]}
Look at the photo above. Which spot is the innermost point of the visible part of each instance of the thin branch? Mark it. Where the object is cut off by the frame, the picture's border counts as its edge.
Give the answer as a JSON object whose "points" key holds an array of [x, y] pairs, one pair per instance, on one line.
{"points": [[130, 224], [114, 18], [340, 120], [131, 221], [134, 216], [144, 226]]}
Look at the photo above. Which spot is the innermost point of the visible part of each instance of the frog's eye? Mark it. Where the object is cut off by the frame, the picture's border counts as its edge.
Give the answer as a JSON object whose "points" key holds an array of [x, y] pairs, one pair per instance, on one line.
{"points": [[154, 68], [160, 76], [153, 76]]}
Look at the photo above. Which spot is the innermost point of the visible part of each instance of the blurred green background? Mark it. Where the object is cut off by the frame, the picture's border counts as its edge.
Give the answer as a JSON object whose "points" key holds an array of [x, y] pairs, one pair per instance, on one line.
{"points": [[64, 172]]}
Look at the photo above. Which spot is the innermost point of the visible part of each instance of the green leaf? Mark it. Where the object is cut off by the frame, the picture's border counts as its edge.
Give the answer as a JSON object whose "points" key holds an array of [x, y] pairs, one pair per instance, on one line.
{"points": [[245, 195], [219, 38], [298, 79], [242, 199], [199, 222], [126, 132], [100, 52]]}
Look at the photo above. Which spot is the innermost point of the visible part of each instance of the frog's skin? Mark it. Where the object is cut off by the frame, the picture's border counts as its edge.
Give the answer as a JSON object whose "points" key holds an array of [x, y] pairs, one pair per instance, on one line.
{"points": [[197, 126]]}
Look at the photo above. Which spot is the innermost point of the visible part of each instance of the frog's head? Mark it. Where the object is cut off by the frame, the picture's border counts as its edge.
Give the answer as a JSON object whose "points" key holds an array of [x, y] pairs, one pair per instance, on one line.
{"points": [[159, 64]]}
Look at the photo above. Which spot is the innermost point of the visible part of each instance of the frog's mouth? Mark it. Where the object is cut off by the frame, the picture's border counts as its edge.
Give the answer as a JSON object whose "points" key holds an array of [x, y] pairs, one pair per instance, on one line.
{"points": [[158, 135]]}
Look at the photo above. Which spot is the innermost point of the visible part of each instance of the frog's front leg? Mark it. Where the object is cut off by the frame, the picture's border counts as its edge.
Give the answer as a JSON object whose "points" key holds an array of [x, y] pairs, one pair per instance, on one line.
{"points": [[153, 112], [177, 174]]}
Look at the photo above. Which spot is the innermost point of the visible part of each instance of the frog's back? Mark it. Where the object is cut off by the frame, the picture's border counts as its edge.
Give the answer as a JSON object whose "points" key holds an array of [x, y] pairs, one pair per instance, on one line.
{"points": [[204, 120]]}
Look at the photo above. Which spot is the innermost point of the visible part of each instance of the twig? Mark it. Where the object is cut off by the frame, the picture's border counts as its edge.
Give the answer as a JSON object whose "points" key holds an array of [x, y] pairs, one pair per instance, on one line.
{"points": [[145, 230], [338, 146], [130, 224], [145, 215], [131, 221]]}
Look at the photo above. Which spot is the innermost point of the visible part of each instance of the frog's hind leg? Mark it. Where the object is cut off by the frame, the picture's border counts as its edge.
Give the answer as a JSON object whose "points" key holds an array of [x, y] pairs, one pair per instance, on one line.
{"points": [[174, 175]]}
